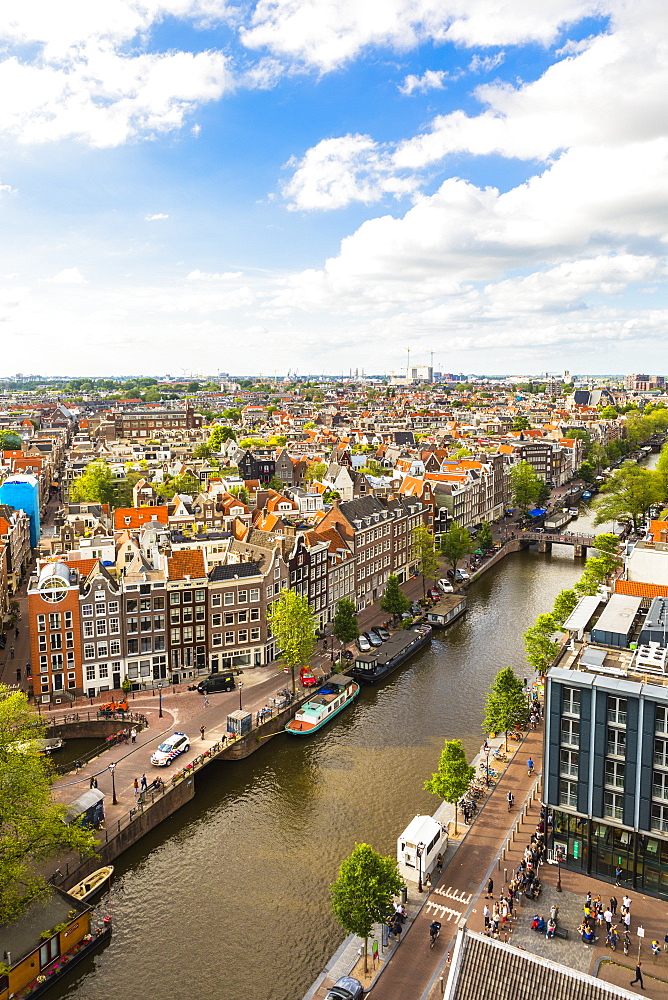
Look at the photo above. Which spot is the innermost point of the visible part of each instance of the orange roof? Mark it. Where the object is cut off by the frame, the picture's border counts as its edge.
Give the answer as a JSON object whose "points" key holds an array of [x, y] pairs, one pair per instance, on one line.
{"points": [[656, 528], [187, 562], [135, 517], [634, 588]]}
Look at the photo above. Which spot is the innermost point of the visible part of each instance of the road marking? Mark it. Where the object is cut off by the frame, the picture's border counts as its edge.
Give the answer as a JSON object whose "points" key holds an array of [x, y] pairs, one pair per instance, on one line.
{"points": [[443, 911], [459, 897]]}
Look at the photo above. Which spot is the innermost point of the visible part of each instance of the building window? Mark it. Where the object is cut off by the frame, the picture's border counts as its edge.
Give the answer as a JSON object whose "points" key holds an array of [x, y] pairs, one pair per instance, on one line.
{"points": [[158, 603], [187, 614], [54, 620], [187, 596], [188, 634], [88, 630], [102, 627], [216, 620], [243, 635], [159, 622], [43, 664], [215, 600], [158, 643], [200, 595], [616, 711], [229, 598], [90, 673], [102, 650], [86, 611], [175, 597], [69, 640], [661, 719], [112, 607], [243, 617], [660, 753], [254, 594], [89, 651], [616, 743], [568, 763], [100, 609], [570, 732], [133, 646], [660, 785], [132, 624], [243, 596], [614, 774], [57, 661], [200, 633], [42, 643], [660, 818], [104, 670], [255, 634], [255, 614], [56, 640], [68, 619], [145, 623], [145, 604], [115, 647], [613, 805], [146, 645], [217, 639], [131, 606], [571, 704], [229, 638]]}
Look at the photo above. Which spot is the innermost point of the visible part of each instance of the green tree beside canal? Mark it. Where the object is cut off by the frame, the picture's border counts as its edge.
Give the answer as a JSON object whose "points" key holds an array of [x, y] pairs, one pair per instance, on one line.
{"points": [[628, 495], [506, 704], [455, 544], [95, 484], [32, 830], [362, 893], [293, 625], [453, 777], [485, 538], [425, 555], [346, 627], [539, 643], [394, 601], [525, 485]]}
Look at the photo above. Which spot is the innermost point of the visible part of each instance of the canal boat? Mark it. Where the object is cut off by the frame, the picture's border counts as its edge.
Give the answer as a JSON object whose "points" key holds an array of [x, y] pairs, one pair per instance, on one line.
{"points": [[335, 695], [91, 884], [447, 610], [380, 663]]}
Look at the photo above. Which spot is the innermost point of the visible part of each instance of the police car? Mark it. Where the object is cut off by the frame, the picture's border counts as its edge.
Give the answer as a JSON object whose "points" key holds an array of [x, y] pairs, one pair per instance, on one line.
{"points": [[174, 745]]}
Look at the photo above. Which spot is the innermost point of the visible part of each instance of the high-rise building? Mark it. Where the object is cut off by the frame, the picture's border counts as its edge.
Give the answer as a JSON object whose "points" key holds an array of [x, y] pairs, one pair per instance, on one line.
{"points": [[22, 493]]}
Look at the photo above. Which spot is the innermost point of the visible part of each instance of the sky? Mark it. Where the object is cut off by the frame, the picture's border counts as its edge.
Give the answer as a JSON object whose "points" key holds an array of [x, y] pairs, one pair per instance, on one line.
{"points": [[196, 186]]}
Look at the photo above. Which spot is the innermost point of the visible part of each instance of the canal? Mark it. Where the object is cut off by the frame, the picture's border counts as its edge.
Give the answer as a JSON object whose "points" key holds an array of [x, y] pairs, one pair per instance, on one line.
{"points": [[229, 898]]}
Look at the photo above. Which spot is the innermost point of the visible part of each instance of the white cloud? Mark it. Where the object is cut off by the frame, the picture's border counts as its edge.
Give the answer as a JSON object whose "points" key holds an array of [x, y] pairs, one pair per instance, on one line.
{"points": [[327, 35], [431, 79], [208, 276], [68, 276], [485, 64], [337, 171], [156, 217]]}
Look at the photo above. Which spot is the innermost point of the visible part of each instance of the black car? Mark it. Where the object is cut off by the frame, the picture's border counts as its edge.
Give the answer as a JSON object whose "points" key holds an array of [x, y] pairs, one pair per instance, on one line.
{"points": [[374, 639], [416, 608], [224, 681], [382, 632], [346, 988]]}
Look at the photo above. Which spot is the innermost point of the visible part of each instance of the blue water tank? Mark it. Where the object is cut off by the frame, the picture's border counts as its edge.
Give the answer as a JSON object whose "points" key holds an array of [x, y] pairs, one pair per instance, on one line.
{"points": [[22, 493]]}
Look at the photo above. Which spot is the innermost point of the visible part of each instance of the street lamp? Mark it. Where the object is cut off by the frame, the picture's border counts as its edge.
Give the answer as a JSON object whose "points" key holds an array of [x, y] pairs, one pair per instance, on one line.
{"points": [[241, 684], [160, 702], [114, 800], [419, 851]]}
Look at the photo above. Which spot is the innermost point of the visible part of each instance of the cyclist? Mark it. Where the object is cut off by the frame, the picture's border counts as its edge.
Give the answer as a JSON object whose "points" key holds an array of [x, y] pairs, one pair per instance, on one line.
{"points": [[529, 766], [434, 928], [511, 800]]}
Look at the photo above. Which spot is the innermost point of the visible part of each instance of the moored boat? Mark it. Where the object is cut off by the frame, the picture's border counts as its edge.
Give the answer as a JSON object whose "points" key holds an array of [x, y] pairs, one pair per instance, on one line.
{"points": [[331, 698], [88, 886], [375, 666], [447, 610]]}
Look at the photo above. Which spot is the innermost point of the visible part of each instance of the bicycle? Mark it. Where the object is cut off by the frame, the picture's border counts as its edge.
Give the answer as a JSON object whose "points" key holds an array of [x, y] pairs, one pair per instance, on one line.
{"points": [[434, 931]]}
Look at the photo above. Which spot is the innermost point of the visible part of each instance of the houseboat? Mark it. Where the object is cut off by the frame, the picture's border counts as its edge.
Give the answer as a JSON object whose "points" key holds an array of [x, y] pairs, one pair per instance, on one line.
{"points": [[332, 698], [449, 609], [92, 884], [375, 666]]}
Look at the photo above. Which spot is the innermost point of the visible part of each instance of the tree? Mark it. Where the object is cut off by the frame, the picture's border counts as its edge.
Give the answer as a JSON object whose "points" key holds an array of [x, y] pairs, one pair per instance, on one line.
{"points": [[219, 435], [9, 441], [183, 483], [525, 485], [661, 472], [453, 777], [315, 471], [95, 484], [608, 413], [202, 450], [363, 890], [521, 424], [32, 830], [540, 647], [506, 704], [394, 601], [346, 628], [425, 555], [275, 484], [587, 472], [485, 538], [233, 414], [628, 494], [240, 492], [564, 604], [293, 625], [456, 542]]}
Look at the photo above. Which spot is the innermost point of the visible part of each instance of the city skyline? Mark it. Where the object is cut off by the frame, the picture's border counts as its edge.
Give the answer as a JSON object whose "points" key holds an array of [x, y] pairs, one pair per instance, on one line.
{"points": [[191, 186]]}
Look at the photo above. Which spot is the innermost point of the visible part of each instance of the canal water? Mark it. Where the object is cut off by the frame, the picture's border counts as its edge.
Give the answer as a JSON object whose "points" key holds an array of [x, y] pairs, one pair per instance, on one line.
{"points": [[229, 898]]}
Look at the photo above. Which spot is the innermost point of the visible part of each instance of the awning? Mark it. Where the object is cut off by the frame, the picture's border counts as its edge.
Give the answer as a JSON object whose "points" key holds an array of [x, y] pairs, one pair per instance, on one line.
{"points": [[537, 512], [477, 552]]}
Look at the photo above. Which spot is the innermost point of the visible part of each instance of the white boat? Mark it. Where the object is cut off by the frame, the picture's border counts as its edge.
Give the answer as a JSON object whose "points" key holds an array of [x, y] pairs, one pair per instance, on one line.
{"points": [[92, 883], [335, 694]]}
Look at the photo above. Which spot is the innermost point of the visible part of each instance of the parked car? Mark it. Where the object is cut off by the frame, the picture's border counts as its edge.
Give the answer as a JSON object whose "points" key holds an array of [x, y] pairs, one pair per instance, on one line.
{"points": [[381, 631], [174, 745], [461, 574], [346, 988], [435, 595], [374, 639], [446, 586], [363, 644], [223, 681], [416, 608]]}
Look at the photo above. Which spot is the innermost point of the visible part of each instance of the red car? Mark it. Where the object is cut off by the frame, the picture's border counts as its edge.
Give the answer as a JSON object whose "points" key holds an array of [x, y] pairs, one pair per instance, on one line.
{"points": [[307, 678]]}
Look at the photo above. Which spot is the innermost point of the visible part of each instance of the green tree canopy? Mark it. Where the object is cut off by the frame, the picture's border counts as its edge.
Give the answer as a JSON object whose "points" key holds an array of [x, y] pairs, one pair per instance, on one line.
{"points": [[456, 542], [454, 775], [233, 414], [540, 647], [521, 424], [293, 625], [564, 604], [32, 830], [609, 413], [485, 538], [363, 890], [183, 483], [506, 704], [10, 441], [96, 485], [628, 495], [202, 450], [240, 492], [346, 627], [425, 555], [315, 471], [525, 485], [394, 601], [219, 435]]}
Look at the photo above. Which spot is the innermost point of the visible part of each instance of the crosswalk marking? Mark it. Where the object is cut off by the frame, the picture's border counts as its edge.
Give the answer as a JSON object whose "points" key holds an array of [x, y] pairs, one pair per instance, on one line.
{"points": [[444, 912], [459, 897]]}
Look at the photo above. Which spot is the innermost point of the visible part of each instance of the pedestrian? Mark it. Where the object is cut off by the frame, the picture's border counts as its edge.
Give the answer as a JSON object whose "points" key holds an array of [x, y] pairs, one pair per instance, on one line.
{"points": [[656, 947], [613, 905], [206, 702], [18, 675], [490, 889], [144, 783], [16, 633], [638, 978], [618, 875], [136, 786], [511, 799], [439, 863], [201, 731], [626, 902], [28, 670], [485, 914], [91, 782], [607, 916], [627, 920], [133, 734], [11, 652]]}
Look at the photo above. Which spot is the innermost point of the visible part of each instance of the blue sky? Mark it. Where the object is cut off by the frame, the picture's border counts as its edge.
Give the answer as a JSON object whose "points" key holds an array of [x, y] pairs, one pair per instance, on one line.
{"points": [[293, 184]]}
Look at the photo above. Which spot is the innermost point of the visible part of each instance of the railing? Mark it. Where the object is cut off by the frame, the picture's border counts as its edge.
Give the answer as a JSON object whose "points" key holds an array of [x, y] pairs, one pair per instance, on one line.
{"points": [[70, 718]]}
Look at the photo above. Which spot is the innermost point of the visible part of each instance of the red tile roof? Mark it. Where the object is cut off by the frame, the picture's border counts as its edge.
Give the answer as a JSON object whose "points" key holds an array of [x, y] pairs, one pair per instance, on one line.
{"points": [[189, 562]]}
